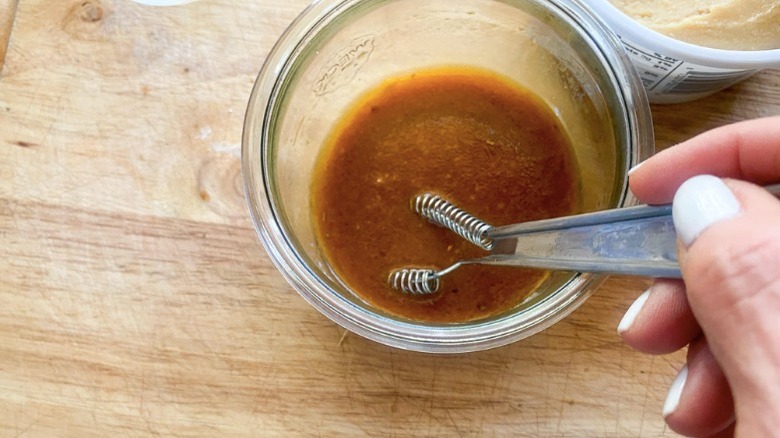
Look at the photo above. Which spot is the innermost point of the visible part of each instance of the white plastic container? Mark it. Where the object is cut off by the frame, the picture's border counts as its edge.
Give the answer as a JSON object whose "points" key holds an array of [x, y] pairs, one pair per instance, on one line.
{"points": [[673, 71]]}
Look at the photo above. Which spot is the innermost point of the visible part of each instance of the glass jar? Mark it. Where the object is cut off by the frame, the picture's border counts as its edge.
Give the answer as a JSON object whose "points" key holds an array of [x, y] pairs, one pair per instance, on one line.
{"points": [[337, 50]]}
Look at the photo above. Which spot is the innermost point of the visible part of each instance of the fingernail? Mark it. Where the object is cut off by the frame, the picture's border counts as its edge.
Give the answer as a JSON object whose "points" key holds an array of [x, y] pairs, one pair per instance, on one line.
{"points": [[632, 312], [634, 169], [700, 202], [675, 392]]}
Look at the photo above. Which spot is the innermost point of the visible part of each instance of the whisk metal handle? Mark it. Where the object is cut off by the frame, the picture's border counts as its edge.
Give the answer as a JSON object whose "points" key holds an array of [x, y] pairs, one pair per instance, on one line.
{"points": [[632, 241]]}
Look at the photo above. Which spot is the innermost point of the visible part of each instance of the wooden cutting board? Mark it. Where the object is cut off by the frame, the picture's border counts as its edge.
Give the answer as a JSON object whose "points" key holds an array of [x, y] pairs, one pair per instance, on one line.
{"points": [[135, 299]]}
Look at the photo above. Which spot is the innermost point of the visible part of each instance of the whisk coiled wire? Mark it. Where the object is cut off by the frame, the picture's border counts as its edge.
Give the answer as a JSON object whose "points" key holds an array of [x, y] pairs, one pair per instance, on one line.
{"points": [[441, 212], [421, 281], [414, 281]]}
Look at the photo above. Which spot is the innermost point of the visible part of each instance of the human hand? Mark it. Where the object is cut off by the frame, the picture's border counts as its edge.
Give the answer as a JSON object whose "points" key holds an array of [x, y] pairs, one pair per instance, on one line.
{"points": [[727, 311]]}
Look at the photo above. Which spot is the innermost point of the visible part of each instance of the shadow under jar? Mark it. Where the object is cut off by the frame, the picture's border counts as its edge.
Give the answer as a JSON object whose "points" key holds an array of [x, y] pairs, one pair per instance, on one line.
{"points": [[336, 51]]}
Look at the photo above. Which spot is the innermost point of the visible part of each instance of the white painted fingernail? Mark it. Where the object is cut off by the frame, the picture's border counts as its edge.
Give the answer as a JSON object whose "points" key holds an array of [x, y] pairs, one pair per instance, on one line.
{"points": [[634, 169], [700, 202], [675, 392], [632, 312]]}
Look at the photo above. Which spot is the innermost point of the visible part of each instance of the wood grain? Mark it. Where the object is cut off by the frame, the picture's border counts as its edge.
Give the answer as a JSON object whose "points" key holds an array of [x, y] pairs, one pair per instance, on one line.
{"points": [[136, 300]]}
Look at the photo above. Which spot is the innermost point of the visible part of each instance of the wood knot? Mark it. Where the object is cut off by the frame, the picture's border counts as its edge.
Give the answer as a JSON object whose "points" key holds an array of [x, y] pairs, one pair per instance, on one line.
{"points": [[91, 11], [84, 20], [25, 144], [220, 185]]}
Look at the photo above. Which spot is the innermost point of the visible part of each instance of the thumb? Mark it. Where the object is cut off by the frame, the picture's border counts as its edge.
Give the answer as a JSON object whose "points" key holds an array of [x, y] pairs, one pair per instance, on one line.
{"points": [[729, 236]]}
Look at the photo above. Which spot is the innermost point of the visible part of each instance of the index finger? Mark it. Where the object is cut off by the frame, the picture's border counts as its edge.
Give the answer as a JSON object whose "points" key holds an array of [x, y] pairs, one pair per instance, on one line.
{"points": [[748, 151]]}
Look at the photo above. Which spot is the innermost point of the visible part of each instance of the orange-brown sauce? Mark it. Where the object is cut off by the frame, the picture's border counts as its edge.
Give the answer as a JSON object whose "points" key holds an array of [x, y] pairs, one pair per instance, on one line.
{"points": [[494, 149]]}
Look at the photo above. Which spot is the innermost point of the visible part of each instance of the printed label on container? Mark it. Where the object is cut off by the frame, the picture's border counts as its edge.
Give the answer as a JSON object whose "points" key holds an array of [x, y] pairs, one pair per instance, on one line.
{"points": [[669, 80]]}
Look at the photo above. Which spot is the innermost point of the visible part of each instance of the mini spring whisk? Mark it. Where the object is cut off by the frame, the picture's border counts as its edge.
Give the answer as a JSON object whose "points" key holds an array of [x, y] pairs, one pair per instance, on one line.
{"points": [[630, 241], [443, 213], [637, 240]]}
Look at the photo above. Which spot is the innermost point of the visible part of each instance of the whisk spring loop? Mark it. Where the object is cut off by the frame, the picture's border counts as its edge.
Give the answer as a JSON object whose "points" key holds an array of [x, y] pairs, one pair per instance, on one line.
{"points": [[442, 212], [414, 281]]}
